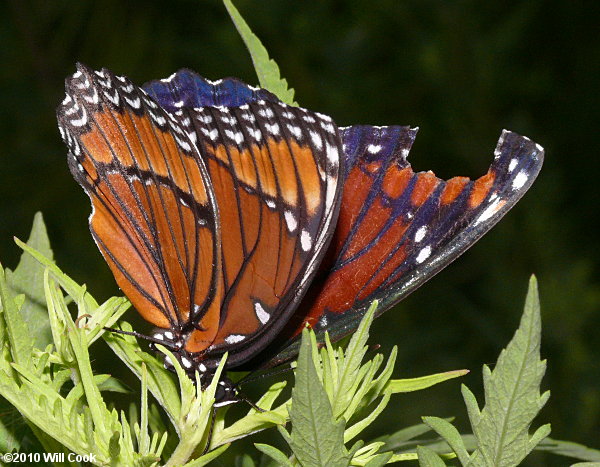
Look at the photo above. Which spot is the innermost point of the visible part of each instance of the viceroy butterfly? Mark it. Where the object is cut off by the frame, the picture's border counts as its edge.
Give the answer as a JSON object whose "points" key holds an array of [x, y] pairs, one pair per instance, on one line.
{"points": [[230, 219]]}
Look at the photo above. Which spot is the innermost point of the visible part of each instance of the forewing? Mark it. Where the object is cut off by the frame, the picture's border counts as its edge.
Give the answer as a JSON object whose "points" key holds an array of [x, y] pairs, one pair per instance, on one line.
{"points": [[154, 213], [277, 173], [277, 180], [398, 228]]}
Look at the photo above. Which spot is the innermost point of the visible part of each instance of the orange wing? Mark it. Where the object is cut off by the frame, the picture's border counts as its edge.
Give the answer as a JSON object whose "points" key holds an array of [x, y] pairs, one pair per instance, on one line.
{"points": [[154, 214], [276, 174]]}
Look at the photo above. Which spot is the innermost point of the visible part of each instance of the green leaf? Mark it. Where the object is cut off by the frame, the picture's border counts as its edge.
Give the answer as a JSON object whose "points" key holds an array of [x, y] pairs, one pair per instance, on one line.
{"points": [[244, 461], [401, 437], [512, 395], [569, 449], [160, 381], [27, 279], [21, 347], [208, 457], [428, 458], [349, 366], [416, 384], [267, 70], [451, 435], [274, 454], [76, 291], [379, 460], [316, 439]]}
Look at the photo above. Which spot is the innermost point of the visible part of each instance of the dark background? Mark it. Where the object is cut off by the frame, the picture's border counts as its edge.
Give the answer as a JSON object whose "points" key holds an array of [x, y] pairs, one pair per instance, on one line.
{"points": [[461, 71]]}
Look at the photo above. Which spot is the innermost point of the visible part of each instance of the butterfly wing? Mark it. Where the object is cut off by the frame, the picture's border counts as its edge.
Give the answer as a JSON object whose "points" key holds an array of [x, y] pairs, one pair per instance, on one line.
{"points": [[397, 228], [154, 212], [187, 90], [277, 174]]}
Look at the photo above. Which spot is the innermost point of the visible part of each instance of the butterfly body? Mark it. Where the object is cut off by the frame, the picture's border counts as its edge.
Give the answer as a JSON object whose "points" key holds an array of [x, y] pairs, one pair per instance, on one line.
{"points": [[231, 220]]}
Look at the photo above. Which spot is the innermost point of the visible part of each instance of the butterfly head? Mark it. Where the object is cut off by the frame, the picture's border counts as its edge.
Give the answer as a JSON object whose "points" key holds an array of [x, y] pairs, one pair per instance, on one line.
{"points": [[226, 392], [175, 342]]}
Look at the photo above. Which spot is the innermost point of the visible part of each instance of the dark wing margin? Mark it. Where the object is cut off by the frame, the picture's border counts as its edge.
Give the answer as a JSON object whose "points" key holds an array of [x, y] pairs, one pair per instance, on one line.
{"points": [[154, 214], [397, 228]]}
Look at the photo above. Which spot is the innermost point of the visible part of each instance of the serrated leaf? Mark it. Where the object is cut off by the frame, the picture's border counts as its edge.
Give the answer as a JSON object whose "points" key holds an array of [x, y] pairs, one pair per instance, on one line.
{"points": [[512, 395], [274, 454], [76, 291], [27, 279], [316, 439], [266, 69], [428, 458], [21, 347]]}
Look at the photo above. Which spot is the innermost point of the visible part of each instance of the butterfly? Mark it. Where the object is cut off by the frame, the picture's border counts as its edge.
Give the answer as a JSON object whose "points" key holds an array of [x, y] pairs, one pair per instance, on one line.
{"points": [[232, 220]]}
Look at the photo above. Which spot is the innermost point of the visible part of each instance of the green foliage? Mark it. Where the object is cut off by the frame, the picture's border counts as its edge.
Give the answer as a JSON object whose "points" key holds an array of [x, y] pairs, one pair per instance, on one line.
{"points": [[317, 437], [512, 394], [62, 399], [34, 381], [27, 280], [335, 397], [266, 69]]}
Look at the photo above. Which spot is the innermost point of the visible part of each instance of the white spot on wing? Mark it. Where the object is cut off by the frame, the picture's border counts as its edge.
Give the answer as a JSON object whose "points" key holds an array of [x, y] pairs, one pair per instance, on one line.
{"points": [[420, 234], [423, 254], [511, 166], [490, 211], [295, 130], [290, 221], [234, 338], [305, 240], [374, 148], [80, 121], [167, 80], [267, 113], [333, 155], [186, 363], [261, 314], [273, 129], [520, 180], [316, 139]]}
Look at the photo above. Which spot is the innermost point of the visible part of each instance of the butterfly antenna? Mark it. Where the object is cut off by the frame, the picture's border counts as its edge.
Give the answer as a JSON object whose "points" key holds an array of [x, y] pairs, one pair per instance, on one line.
{"points": [[250, 377], [242, 397], [141, 336], [213, 418]]}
